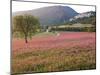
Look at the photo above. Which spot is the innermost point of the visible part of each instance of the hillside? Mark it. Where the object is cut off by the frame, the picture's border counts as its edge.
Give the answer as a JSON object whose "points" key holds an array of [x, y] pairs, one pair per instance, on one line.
{"points": [[51, 15], [84, 18]]}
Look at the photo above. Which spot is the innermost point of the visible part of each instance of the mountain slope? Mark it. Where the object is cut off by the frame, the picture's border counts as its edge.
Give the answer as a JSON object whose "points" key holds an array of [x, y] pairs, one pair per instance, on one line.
{"points": [[51, 15], [84, 18]]}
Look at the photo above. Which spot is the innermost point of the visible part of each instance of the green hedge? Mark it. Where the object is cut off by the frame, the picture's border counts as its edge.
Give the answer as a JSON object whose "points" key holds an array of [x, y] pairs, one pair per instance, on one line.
{"points": [[85, 29]]}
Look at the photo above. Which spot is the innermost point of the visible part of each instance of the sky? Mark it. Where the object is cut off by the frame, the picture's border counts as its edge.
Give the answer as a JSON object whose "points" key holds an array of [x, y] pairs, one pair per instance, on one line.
{"points": [[21, 6]]}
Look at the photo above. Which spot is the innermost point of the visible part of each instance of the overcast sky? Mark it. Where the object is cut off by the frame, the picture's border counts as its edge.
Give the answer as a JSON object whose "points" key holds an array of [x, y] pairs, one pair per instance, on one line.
{"points": [[21, 6]]}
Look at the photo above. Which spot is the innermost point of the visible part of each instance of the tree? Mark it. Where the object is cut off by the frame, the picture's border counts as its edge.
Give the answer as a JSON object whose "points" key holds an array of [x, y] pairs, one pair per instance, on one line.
{"points": [[26, 25]]}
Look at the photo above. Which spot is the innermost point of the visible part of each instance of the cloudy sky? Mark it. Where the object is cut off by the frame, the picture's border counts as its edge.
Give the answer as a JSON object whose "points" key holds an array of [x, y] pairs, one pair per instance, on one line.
{"points": [[21, 6]]}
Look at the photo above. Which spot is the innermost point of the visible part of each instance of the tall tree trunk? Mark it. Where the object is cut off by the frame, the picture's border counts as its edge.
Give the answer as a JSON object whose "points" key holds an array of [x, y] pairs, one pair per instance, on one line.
{"points": [[26, 41]]}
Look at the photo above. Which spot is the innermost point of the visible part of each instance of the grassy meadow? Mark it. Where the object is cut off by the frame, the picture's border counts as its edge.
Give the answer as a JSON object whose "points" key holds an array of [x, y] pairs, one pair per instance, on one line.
{"points": [[50, 52], [52, 38]]}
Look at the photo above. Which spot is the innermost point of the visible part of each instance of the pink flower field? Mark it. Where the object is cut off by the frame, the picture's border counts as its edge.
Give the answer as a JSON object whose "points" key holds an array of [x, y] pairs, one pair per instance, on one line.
{"points": [[64, 52]]}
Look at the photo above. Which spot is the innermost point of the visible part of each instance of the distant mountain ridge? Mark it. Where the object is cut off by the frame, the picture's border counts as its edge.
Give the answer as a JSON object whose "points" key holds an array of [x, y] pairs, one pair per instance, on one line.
{"points": [[51, 15], [84, 18], [83, 15]]}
